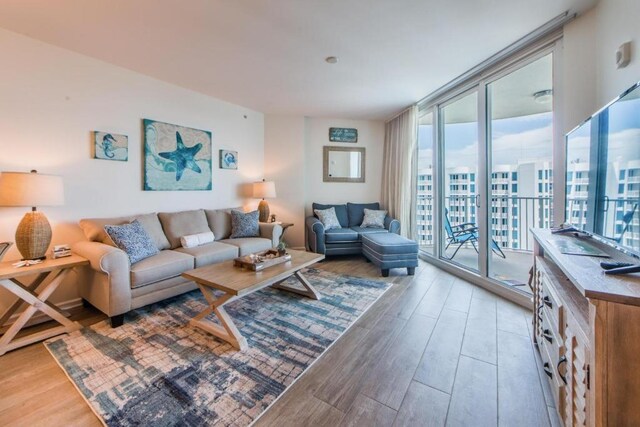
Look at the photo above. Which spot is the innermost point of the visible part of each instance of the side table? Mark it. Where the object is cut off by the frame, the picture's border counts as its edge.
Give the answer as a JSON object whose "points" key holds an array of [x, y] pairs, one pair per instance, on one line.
{"points": [[284, 226], [48, 276]]}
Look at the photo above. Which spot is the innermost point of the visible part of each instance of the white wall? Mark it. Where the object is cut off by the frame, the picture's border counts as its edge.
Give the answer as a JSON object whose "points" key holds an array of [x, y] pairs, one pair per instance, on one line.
{"points": [[293, 159], [370, 136], [617, 22], [579, 70], [284, 164], [50, 100], [590, 75]]}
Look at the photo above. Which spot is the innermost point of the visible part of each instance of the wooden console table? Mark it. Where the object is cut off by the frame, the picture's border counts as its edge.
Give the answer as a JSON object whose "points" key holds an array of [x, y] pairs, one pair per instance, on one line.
{"points": [[48, 276], [587, 330]]}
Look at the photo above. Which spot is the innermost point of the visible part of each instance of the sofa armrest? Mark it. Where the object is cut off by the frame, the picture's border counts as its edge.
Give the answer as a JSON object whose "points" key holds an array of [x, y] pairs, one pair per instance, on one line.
{"points": [[315, 235], [271, 231], [392, 225], [109, 261]]}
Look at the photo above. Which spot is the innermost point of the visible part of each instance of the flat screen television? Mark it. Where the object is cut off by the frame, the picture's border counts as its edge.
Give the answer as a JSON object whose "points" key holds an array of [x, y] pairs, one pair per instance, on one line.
{"points": [[603, 173]]}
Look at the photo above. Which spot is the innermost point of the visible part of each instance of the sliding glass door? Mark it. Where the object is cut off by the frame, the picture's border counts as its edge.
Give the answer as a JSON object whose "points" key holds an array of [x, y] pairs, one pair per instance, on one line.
{"points": [[459, 142], [520, 136], [485, 171]]}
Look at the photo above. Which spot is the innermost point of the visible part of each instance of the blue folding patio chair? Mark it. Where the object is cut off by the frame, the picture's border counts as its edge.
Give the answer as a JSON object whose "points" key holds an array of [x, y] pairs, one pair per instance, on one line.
{"points": [[465, 233]]}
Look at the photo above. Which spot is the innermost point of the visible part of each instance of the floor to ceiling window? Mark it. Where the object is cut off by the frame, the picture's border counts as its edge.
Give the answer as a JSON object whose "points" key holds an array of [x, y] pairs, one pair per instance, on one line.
{"points": [[424, 203], [520, 134], [459, 124], [485, 170]]}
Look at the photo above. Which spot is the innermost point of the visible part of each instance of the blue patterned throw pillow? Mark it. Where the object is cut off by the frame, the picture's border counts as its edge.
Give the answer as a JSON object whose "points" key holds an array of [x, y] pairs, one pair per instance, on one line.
{"points": [[373, 218], [244, 224], [133, 239], [328, 218]]}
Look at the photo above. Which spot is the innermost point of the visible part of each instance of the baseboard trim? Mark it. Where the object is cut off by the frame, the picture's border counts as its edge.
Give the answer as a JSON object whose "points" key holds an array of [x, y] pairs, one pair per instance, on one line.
{"points": [[40, 317]]}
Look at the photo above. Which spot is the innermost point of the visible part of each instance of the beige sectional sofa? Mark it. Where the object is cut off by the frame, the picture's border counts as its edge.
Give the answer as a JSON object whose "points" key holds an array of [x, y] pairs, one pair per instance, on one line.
{"points": [[115, 287]]}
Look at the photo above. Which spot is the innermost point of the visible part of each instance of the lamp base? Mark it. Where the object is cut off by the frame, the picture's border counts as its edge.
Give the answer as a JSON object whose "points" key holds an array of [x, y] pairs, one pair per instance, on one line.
{"points": [[263, 208], [33, 236]]}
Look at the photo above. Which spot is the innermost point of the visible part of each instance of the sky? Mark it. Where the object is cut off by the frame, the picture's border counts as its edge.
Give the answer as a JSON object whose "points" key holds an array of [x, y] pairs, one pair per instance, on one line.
{"points": [[519, 138], [529, 138]]}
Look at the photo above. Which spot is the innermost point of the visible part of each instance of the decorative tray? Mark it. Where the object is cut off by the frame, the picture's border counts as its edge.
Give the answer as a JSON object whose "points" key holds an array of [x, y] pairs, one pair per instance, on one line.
{"points": [[261, 260]]}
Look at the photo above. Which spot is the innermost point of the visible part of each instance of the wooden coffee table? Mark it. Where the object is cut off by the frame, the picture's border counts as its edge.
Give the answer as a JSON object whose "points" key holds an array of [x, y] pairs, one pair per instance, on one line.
{"points": [[236, 283]]}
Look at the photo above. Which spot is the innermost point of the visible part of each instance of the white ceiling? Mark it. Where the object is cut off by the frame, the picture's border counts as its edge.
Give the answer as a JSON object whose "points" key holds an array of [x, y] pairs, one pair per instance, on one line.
{"points": [[269, 55]]}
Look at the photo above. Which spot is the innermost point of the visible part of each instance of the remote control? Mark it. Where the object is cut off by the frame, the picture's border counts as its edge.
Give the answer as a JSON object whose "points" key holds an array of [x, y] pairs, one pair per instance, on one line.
{"points": [[612, 264]]}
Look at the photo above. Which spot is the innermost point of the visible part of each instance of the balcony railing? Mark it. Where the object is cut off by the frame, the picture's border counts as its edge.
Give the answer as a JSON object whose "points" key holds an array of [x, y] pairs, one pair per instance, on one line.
{"points": [[510, 223]]}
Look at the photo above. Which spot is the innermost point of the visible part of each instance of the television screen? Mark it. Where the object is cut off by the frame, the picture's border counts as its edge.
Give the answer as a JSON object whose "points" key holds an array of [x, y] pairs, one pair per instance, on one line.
{"points": [[603, 173]]}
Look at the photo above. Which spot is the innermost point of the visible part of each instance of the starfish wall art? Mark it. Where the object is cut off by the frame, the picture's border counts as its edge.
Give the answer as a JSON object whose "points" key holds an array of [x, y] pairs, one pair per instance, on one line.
{"points": [[176, 157]]}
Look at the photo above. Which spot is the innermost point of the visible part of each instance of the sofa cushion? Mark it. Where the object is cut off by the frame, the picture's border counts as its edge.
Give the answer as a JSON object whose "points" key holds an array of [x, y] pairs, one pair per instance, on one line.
{"points": [[328, 218], [368, 230], [244, 224], [211, 253], [164, 265], [249, 245], [356, 212], [152, 226], [178, 224], [373, 218], [341, 212], [133, 239], [93, 228], [219, 222], [338, 235]]}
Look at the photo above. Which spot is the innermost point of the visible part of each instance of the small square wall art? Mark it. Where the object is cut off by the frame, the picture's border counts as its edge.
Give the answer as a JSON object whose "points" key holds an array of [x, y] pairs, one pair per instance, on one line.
{"points": [[228, 159], [110, 146], [176, 158]]}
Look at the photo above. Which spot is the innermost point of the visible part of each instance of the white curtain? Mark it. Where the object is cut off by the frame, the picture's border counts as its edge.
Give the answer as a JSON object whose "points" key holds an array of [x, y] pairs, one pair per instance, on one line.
{"points": [[399, 170]]}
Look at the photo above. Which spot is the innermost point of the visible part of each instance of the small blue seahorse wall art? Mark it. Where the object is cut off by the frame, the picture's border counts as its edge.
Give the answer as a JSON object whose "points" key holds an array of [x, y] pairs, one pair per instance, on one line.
{"points": [[110, 146], [176, 158]]}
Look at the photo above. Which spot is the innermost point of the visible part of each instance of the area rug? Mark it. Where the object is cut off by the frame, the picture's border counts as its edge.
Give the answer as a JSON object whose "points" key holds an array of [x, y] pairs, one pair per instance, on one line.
{"points": [[157, 370]]}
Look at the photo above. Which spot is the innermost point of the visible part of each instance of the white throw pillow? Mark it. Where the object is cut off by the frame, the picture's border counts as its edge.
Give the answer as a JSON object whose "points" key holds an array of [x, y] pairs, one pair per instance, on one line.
{"points": [[328, 218], [193, 240], [373, 218]]}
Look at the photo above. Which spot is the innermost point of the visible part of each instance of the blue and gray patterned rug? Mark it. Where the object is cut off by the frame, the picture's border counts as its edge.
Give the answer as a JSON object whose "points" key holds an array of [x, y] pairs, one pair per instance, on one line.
{"points": [[158, 370]]}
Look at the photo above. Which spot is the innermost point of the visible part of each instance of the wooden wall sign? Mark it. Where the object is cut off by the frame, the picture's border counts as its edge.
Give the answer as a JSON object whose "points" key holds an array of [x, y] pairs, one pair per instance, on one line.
{"points": [[343, 135]]}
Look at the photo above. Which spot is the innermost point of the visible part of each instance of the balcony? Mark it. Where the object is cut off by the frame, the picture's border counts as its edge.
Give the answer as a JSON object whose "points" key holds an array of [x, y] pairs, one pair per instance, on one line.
{"points": [[512, 271], [514, 217]]}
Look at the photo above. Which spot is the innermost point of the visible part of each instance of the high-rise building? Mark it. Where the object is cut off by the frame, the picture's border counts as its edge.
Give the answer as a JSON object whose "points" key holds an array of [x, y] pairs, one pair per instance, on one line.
{"points": [[520, 198]]}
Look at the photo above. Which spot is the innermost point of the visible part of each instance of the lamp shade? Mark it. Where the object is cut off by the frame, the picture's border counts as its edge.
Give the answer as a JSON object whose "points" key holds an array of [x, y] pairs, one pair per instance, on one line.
{"points": [[30, 189], [264, 189]]}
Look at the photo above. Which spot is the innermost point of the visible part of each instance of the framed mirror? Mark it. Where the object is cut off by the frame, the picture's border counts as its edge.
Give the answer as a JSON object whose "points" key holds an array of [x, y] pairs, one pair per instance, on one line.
{"points": [[343, 164]]}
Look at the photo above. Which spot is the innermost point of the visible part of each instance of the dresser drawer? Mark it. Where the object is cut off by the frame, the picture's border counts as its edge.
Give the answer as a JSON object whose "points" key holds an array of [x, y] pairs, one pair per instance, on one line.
{"points": [[550, 355], [550, 303], [548, 331]]}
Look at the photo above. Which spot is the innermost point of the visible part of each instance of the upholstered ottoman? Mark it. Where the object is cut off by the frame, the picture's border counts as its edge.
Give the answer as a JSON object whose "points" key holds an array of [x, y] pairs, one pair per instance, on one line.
{"points": [[390, 250]]}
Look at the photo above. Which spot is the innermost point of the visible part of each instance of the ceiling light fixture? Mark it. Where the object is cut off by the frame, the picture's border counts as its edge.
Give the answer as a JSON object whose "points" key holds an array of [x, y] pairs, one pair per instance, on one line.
{"points": [[331, 59], [543, 96]]}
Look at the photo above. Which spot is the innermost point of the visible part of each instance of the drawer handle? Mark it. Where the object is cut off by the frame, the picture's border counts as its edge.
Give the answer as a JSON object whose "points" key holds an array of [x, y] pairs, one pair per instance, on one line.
{"points": [[547, 301], [547, 370], [547, 335], [562, 360], [539, 315]]}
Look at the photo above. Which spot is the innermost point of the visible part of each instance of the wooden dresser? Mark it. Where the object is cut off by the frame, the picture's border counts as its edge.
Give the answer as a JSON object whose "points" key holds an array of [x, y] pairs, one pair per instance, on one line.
{"points": [[587, 330]]}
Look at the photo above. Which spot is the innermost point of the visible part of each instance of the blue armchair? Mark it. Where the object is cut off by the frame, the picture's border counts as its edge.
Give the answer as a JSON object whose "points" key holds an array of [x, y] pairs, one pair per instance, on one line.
{"points": [[345, 240]]}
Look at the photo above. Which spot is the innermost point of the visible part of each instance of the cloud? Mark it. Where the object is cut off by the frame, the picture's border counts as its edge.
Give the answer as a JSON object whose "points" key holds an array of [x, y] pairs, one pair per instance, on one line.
{"points": [[507, 149]]}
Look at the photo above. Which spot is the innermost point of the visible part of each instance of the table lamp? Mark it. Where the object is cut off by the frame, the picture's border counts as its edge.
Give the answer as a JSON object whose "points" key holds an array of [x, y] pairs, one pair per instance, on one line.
{"points": [[33, 235], [263, 190]]}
